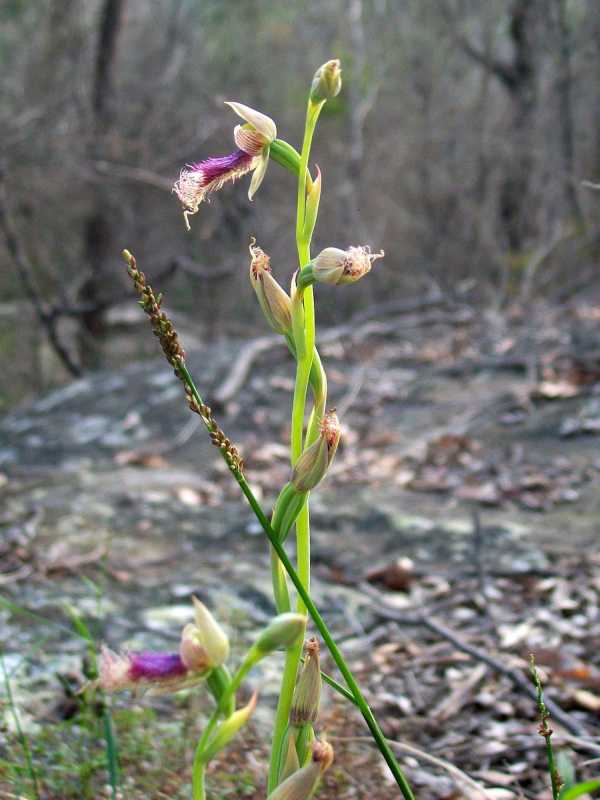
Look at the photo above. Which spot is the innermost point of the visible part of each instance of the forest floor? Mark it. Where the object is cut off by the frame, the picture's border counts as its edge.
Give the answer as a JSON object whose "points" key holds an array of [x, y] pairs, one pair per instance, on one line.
{"points": [[456, 534]]}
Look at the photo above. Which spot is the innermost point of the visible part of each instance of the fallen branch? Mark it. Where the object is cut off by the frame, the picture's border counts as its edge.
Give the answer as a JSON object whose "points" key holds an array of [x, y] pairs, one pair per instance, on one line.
{"points": [[250, 351], [241, 368], [515, 676], [44, 314]]}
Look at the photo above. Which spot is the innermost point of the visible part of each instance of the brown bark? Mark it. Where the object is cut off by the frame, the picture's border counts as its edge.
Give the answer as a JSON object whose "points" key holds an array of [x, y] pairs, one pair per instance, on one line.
{"points": [[514, 194], [519, 79], [565, 112]]}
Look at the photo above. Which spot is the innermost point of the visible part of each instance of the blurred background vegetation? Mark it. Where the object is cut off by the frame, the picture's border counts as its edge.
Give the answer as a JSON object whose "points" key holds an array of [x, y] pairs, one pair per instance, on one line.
{"points": [[458, 145]]}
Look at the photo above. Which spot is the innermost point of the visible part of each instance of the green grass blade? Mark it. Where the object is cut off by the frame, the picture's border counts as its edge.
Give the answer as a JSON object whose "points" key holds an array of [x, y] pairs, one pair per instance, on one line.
{"points": [[579, 789], [23, 741]]}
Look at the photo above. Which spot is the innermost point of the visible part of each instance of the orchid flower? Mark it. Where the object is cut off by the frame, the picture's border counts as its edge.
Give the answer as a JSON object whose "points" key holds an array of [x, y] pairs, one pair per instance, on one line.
{"points": [[253, 140], [203, 646]]}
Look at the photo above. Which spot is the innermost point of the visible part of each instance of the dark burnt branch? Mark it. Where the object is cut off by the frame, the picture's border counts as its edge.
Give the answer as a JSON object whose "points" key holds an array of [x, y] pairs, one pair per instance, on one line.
{"points": [[504, 72], [110, 25]]}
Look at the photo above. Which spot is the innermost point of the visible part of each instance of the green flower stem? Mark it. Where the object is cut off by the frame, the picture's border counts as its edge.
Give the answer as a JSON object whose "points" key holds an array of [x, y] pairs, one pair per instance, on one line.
{"points": [[289, 158], [225, 707], [281, 592], [318, 383], [316, 617], [304, 349]]}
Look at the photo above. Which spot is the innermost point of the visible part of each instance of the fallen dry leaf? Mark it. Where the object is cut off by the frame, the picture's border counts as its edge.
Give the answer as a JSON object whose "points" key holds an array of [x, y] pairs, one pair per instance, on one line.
{"points": [[587, 700], [555, 390]]}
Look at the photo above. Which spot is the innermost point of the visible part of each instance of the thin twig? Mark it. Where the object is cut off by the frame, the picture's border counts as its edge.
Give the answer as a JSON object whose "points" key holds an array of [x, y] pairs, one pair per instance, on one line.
{"points": [[45, 315]]}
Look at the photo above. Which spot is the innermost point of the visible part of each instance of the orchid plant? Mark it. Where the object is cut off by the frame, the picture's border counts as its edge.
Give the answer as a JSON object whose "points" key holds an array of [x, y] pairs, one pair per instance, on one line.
{"points": [[298, 756]]}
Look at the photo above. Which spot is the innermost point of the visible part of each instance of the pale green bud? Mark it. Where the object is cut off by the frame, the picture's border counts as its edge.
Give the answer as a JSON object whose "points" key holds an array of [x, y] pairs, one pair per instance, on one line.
{"points": [[281, 633], [307, 694], [339, 267], [228, 729], [327, 81], [312, 466], [274, 301], [287, 507], [302, 784]]}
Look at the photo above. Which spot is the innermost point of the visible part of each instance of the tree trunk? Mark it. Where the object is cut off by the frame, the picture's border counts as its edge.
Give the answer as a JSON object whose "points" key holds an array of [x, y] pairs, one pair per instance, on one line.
{"points": [[565, 113], [521, 86], [100, 249]]}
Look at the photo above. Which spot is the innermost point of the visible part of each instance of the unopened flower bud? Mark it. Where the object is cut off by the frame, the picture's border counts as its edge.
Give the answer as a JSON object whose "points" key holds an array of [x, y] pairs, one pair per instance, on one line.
{"points": [[209, 634], [312, 466], [327, 81], [339, 267], [302, 784], [281, 633], [307, 694], [274, 301], [228, 729]]}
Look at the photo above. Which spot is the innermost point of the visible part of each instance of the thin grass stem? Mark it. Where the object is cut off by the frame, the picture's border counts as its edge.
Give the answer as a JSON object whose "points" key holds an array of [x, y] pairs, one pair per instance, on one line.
{"points": [[545, 730], [23, 741]]}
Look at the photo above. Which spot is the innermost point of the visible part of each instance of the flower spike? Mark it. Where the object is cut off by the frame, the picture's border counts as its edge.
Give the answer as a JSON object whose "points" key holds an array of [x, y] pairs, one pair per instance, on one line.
{"points": [[253, 140]]}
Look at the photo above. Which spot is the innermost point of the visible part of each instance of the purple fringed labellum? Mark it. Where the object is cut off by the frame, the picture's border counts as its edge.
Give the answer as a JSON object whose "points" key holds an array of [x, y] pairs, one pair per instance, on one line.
{"points": [[198, 180], [148, 670], [215, 169], [152, 666]]}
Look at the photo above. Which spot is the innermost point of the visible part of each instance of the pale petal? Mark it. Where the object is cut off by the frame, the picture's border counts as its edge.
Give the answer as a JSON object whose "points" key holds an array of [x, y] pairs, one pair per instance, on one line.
{"points": [[211, 635], [259, 173], [261, 122], [249, 140]]}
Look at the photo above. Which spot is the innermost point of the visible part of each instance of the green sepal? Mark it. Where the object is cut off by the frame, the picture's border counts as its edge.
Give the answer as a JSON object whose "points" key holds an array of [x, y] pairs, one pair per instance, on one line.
{"points": [[305, 734], [289, 158], [288, 756], [287, 508], [306, 277], [311, 211]]}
